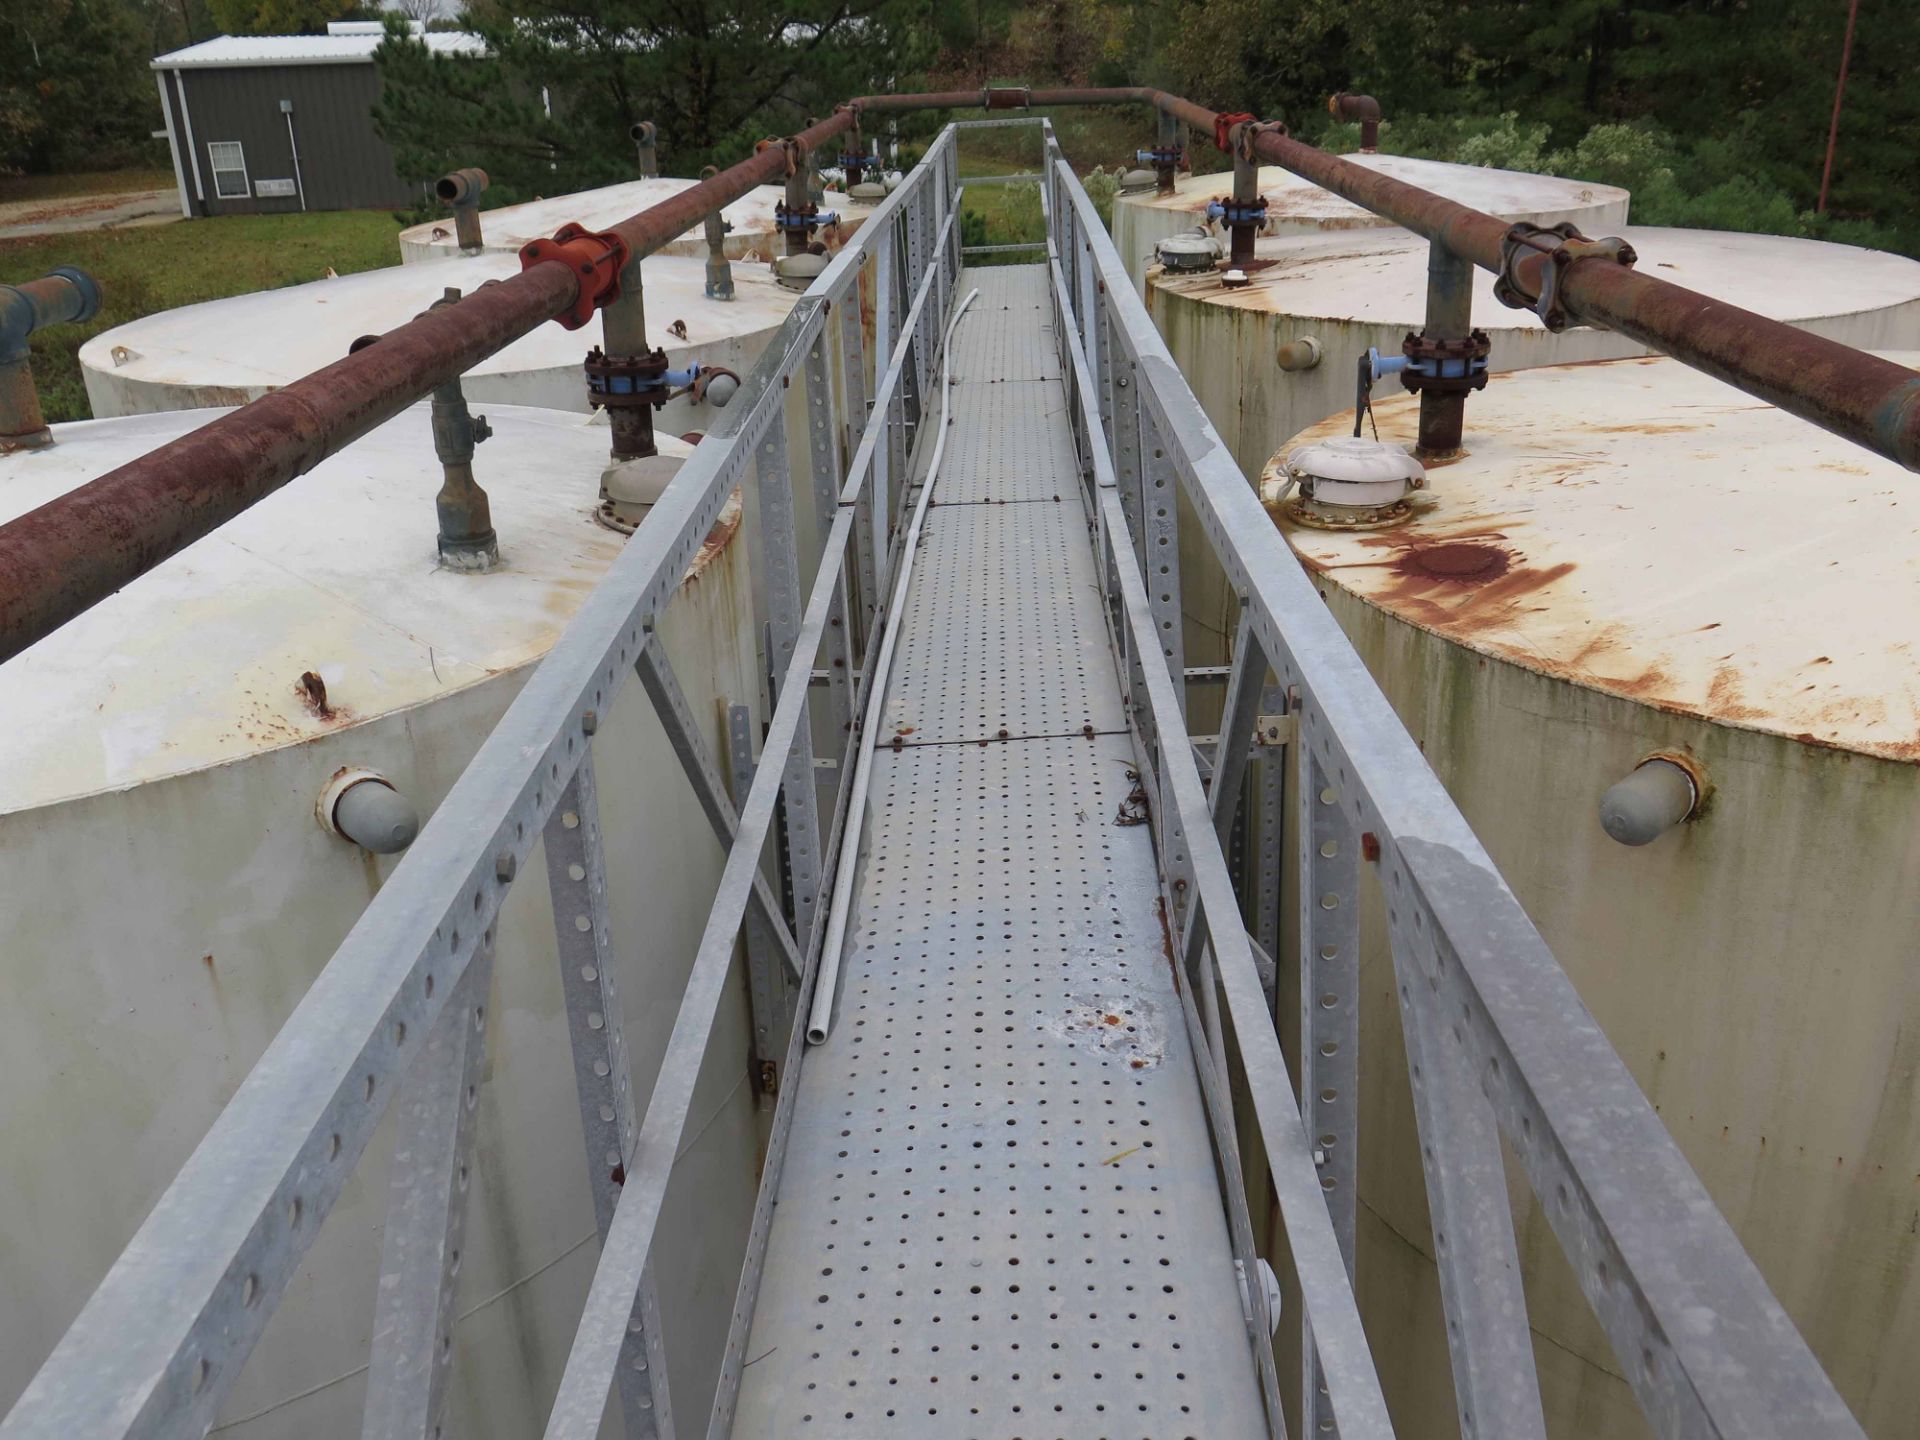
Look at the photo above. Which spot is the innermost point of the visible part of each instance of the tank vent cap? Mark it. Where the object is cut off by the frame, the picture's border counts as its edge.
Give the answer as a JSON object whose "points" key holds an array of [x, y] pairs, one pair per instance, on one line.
{"points": [[1188, 251], [629, 489], [868, 190], [1351, 483], [1132, 182], [797, 272]]}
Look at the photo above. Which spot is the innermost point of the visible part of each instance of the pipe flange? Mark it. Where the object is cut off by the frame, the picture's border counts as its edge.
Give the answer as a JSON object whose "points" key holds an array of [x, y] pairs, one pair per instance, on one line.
{"points": [[626, 382], [1239, 212], [1224, 125], [1446, 367], [1562, 245], [596, 256], [802, 218]]}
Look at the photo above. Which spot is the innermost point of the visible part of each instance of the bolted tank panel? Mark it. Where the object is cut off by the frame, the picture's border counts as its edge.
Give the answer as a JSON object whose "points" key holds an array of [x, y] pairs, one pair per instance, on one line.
{"points": [[171, 894], [1296, 206], [1634, 560], [751, 216], [1359, 290], [226, 352]]}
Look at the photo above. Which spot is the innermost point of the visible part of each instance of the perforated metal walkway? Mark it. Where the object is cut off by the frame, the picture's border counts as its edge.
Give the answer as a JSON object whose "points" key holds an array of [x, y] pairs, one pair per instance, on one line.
{"points": [[999, 1216]]}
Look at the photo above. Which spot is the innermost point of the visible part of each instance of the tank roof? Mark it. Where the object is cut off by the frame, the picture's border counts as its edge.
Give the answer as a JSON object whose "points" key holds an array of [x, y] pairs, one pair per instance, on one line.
{"points": [[1499, 192], [1642, 529], [1380, 277], [274, 336], [198, 662], [511, 226]]}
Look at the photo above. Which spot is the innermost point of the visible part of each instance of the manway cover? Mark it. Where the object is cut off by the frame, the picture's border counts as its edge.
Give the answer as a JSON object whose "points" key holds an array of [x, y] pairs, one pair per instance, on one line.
{"points": [[1643, 529]]}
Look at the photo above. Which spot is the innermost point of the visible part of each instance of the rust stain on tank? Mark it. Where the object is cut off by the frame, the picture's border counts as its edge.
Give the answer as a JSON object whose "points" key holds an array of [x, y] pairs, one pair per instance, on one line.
{"points": [[718, 538], [1466, 562]]}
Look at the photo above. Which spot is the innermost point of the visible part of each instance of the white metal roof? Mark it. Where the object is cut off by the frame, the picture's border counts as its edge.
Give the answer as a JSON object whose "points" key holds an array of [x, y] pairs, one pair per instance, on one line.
{"points": [[234, 51]]}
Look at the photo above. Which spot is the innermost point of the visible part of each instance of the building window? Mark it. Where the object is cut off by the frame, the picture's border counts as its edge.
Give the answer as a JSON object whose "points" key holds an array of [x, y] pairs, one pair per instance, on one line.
{"points": [[229, 169]]}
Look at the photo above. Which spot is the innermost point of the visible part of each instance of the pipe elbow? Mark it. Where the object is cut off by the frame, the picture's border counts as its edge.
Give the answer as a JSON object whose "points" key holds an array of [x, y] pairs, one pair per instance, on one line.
{"points": [[1656, 795], [461, 187], [1363, 108], [63, 296]]}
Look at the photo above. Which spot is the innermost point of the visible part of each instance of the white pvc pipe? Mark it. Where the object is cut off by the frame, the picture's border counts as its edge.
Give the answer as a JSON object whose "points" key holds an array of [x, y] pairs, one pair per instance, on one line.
{"points": [[820, 1017]]}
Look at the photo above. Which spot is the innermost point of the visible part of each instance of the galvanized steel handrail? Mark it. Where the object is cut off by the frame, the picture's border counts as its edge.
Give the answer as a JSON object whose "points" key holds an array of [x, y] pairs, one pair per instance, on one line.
{"points": [[1707, 1348], [209, 1264]]}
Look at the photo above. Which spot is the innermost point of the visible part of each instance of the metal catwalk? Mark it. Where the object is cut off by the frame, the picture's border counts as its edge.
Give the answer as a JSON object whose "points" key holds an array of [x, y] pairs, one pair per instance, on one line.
{"points": [[999, 1212], [1006, 1193]]}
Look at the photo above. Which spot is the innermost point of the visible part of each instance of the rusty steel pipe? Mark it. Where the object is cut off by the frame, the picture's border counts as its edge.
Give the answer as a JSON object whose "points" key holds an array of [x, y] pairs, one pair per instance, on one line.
{"points": [[462, 190], [65, 296], [58, 560], [1363, 108], [71, 553]]}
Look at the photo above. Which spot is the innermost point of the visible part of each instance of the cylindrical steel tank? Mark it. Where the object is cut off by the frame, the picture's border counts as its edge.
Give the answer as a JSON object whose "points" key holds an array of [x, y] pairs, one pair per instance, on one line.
{"points": [[1636, 562], [751, 216], [1299, 207], [226, 352], [1356, 290], [170, 893]]}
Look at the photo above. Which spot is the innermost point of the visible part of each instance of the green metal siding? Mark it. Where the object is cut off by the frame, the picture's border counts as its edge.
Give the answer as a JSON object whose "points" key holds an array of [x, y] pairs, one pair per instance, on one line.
{"points": [[344, 165]]}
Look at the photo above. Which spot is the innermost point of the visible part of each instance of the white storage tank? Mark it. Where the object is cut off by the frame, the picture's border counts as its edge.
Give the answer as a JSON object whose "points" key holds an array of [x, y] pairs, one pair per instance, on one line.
{"points": [[753, 234], [1348, 292], [227, 352], [1638, 571], [1296, 206], [170, 893]]}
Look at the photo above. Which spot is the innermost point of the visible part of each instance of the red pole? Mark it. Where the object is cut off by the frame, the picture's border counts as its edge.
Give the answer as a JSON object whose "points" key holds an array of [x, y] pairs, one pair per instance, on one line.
{"points": [[1839, 94]]}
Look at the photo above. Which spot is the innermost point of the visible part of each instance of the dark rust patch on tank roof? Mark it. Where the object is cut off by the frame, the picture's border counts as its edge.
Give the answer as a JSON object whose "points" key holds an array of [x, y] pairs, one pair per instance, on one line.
{"points": [[1464, 562]]}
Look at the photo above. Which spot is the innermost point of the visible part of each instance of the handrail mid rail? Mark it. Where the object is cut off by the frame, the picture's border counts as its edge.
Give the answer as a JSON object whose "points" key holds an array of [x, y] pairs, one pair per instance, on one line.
{"points": [[1496, 1035], [1707, 1348], [211, 1261]]}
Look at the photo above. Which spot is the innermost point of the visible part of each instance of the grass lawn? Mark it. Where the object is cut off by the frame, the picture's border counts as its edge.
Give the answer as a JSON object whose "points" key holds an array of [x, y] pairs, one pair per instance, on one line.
{"points": [[1007, 214], [97, 182], [144, 269]]}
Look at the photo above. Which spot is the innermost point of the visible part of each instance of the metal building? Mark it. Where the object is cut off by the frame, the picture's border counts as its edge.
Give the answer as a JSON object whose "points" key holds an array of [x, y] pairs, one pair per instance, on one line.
{"points": [[266, 124]]}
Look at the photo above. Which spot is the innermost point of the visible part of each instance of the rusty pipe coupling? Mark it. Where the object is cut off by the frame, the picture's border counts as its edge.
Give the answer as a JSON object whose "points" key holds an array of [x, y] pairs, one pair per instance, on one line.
{"points": [[1562, 245]]}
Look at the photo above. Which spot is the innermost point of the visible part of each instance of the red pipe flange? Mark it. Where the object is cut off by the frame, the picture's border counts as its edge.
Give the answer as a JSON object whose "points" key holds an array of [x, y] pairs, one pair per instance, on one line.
{"points": [[596, 256]]}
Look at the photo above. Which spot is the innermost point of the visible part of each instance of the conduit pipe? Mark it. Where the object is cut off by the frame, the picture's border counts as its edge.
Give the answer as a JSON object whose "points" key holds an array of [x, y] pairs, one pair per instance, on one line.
{"points": [[820, 1017]]}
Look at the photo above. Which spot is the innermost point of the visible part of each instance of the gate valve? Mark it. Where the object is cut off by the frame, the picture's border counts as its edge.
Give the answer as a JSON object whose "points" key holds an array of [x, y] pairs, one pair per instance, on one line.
{"points": [[595, 257], [806, 218], [1443, 367], [1239, 212]]}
